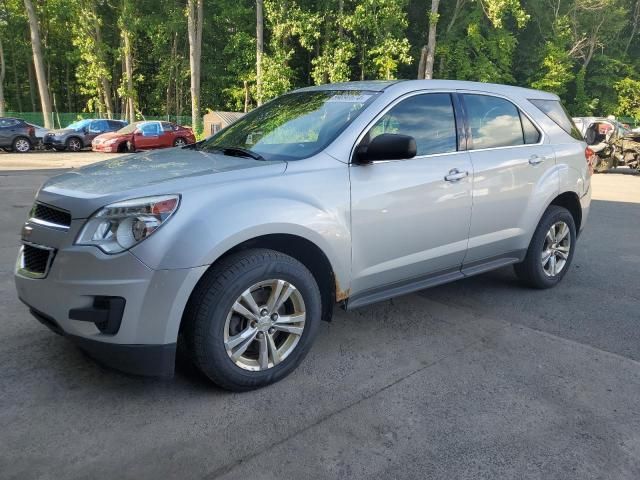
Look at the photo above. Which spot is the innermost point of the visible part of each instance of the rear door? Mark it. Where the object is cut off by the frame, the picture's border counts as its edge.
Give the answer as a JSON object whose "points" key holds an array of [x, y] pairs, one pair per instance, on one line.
{"points": [[96, 127], [510, 162], [168, 134], [8, 127]]}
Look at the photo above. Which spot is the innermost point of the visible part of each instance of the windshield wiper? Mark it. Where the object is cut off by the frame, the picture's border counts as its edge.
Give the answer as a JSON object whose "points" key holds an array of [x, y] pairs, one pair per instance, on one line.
{"points": [[235, 152]]}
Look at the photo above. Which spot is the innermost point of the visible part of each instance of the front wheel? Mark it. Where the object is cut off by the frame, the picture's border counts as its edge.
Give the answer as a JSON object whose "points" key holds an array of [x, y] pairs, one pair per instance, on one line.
{"points": [[252, 319], [179, 142], [74, 144], [551, 250]]}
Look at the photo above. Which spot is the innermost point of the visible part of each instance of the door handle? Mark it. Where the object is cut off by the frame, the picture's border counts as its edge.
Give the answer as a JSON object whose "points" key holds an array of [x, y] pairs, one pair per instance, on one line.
{"points": [[455, 175], [536, 159]]}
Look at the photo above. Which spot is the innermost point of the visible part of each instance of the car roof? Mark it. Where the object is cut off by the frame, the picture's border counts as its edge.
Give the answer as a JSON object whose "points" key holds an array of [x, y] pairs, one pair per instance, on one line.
{"points": [[411, 85]]}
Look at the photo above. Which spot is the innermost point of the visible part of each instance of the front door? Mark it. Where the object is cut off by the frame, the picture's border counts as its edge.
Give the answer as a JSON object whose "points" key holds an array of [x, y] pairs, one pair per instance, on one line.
{"points": [[410, 218], [149, 136]]}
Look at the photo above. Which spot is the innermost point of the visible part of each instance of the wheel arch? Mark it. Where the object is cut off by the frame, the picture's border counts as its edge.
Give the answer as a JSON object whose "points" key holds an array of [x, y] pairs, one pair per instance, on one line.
{"points": [[571, 202], [303, 250]]}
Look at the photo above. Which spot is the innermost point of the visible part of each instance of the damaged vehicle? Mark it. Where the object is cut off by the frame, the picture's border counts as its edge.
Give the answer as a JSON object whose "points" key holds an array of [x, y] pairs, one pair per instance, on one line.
{"points": [[613, 144]]}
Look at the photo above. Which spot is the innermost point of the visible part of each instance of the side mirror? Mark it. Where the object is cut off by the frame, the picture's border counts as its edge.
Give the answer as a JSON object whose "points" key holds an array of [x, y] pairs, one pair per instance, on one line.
{"points": [[388, 146]]}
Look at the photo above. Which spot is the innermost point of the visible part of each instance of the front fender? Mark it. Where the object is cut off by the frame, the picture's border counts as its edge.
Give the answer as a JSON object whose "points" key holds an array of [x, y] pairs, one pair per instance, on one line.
{"points": [[312, 205]]}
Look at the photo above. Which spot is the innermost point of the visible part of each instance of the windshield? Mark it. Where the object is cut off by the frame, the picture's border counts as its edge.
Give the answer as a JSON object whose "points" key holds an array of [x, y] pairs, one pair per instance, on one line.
{"points": [[293, 126], [79, 124], [130, 128]]}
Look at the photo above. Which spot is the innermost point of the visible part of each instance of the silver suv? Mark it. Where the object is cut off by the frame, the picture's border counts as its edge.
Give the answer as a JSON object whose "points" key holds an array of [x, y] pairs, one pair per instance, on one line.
{"points": [[347, 194]]}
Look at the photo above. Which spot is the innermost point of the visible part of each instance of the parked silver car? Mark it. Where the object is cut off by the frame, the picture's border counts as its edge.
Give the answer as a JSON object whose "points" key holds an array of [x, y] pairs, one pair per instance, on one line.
{"points": [[338, 194]]}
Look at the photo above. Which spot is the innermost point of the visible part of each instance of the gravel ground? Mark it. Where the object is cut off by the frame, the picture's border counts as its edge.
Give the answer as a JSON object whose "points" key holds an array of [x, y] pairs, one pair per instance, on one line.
{"points": [[481, 378]]}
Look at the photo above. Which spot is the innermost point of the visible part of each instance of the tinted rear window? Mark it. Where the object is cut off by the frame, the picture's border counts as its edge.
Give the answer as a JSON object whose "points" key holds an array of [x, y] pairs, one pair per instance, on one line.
{"points": [[494, 122], [556, 112]]}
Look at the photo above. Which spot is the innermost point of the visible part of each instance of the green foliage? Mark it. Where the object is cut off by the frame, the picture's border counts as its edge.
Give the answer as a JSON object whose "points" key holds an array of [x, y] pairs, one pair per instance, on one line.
{"points": [[586, 51], [628, 91]]}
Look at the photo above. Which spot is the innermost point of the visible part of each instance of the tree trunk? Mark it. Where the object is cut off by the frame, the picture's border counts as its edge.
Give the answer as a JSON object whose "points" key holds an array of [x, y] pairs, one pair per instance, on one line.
{"points": [[103, 80], [39, 63], [259, 48], [2, 73], [246, 96], [425, 69], [18, 92], [128, 65], [32, 81], [194, 24]]}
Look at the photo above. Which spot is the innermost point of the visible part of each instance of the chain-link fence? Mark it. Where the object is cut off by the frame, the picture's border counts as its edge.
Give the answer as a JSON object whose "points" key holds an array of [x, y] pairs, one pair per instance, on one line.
{"points": [[62, 119]]}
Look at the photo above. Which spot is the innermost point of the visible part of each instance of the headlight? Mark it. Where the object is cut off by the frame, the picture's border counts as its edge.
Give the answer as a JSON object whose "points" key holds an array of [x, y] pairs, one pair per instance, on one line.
{"points": [[119, 226]]}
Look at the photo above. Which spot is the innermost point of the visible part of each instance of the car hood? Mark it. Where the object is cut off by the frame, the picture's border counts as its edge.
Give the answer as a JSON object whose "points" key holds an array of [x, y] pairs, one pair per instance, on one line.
{"points": [[111, 135], [173, 170], [61, 131]]}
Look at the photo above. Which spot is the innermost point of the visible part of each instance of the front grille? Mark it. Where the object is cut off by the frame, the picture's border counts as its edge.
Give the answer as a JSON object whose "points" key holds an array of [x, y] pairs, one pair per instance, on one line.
{"points": [[35, 260], [50, 216]]}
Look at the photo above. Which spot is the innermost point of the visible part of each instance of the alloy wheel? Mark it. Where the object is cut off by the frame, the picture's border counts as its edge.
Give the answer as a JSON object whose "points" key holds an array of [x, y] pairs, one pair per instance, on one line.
{"points": [[74, 145], [264, 325], [22, 145], [179, 143], [555, 251]]}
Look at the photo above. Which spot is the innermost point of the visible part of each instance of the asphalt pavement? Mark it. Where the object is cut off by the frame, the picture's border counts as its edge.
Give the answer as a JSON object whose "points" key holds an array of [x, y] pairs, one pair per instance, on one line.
{"points": [[481, 378]]}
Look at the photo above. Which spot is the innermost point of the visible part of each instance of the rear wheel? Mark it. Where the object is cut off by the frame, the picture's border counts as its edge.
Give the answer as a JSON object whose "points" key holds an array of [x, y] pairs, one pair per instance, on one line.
{"points": [[179, 142], [21, 145], [252, 319], [74, 144], [551, 250]]}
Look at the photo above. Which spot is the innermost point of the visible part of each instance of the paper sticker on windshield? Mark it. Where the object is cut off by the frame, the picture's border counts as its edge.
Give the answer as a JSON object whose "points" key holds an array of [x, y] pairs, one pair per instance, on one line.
{"points": [[348, 98]]}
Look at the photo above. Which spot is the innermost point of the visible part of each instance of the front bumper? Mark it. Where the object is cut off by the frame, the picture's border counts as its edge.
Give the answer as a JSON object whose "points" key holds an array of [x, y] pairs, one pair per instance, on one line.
{"points": [[145, 340], [102, 147], [53, 141]]}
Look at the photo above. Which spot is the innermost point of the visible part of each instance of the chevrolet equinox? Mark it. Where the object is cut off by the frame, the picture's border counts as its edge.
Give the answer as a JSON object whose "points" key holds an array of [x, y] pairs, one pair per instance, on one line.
{"points": [[236, 247]]}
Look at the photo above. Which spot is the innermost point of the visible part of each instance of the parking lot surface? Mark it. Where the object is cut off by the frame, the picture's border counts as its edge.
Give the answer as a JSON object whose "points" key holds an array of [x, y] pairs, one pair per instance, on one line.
{"points": [[481, 378]]}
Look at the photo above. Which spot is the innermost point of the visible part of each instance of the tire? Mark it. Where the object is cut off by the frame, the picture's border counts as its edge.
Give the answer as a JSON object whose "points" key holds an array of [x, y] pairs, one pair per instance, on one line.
{"points": [[22, 145], [74, 144], [122, 148], [179, 142], [211, 319], [533, 270]]}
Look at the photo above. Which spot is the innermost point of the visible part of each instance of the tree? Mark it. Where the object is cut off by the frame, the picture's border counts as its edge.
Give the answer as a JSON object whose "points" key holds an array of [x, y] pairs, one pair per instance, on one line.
{"points": [[2, 74], [425, 67], [38, 62], [259, 48], [195, 11]]}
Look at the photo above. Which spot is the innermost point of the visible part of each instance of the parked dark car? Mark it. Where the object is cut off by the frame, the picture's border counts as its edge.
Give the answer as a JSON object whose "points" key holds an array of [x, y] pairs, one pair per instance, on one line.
{"points": [[147, 135], [16, 135], [80, 134]]}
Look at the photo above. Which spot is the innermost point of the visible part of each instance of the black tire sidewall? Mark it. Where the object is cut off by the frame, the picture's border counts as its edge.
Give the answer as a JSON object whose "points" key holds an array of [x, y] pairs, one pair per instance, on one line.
{"points": [[68, 144], [211, 354], [538, 277]]}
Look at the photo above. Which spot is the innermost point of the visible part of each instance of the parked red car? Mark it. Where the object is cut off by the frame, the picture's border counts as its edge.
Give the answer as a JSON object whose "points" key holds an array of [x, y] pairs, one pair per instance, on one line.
{"points": [[144, 136]]}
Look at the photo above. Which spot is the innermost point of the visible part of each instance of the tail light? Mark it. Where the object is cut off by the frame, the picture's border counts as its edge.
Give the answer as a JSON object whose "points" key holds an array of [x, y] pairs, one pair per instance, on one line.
{"points": [[589, 156]]}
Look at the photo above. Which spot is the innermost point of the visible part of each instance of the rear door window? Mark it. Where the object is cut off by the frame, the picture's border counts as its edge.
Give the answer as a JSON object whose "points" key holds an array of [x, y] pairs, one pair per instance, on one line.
{"points": [[556, 112], [167, 127], [99, 126], [494, 122], [8, 122], [529, 130], [428, 118]]}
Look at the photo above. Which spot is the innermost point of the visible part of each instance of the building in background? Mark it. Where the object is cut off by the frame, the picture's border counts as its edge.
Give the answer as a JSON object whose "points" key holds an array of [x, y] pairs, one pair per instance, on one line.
{"points": [[216, 121]]}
